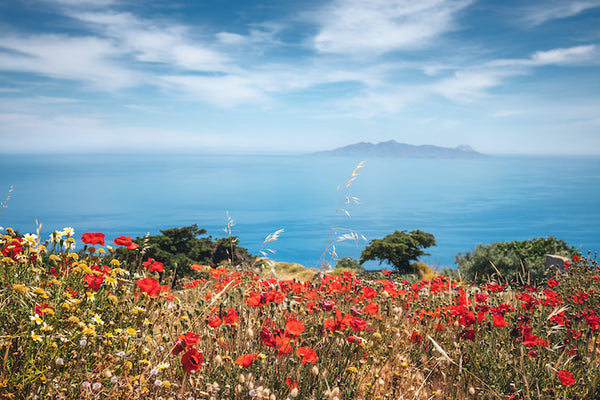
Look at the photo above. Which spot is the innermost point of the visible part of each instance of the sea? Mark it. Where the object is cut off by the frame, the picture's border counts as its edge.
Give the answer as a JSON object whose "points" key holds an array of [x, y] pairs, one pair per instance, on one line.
{"points": [[462, 202]]}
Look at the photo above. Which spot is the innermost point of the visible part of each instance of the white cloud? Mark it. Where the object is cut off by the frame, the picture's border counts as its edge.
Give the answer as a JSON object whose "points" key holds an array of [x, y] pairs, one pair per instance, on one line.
{"points": [[89, 59], [356, 27], [565, 56], [224, 91], [556, 9], [149, 41]]}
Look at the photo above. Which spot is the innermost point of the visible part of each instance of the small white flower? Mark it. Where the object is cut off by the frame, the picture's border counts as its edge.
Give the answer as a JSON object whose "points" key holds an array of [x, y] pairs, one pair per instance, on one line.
{"points": [[36, 318], [121, 353], [98, 320], [30, 239], [59, 361], [85, 385], [68, 232], [82, 342], [158, 383], [114, 379], [97, 386], [154, 371]]}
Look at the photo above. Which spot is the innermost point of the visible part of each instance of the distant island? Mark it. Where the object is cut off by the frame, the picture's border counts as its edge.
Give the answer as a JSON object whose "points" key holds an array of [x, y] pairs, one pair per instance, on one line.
{"points": [[392, 148]]}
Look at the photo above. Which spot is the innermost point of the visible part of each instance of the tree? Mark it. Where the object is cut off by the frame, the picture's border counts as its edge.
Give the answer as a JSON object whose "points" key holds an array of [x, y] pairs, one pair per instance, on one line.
{"points": [[178, 248], [399, 249], [512, 258], [349, 263]]}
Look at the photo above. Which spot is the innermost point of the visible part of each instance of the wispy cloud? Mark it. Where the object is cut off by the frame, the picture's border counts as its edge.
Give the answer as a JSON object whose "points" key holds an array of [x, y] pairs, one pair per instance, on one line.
{"points": [[556, 9], [357, 27], [92, 60]]}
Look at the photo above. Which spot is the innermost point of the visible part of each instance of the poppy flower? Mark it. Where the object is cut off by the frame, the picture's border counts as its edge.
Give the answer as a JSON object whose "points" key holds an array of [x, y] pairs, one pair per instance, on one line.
{"points": [[293, 327], [93, 238], [93, 281], [284, 344], [292, 383], [192, 360], [246, 360], [126, 241], [565, 377], [354, 339], [149, 285], [153, 265], [214, 321], [415, 337], [40, 307], [307, 355], [386, 272], [267, 337], [185, 341], [552, 283], [499, 321], [196, 267], [371, 309], [232, 317], [357, 324]]}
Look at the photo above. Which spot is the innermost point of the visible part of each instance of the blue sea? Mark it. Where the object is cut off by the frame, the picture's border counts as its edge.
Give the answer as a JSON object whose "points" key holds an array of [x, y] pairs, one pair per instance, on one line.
{"points": [[461, 202]]}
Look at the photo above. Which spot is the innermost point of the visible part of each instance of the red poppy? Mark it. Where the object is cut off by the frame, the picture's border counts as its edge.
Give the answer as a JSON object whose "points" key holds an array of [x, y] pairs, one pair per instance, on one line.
{"points": [[552, 283], [93, 238], [232, 317], [40, 307], [357, 324], [499, 321], [284, 344], [197, 267], [149, 285], [267, 337], [481, 298], [185, 341], [214, 321], [246, 360], [153, 265], [126, 241], [354, 339], [371, 309], [192, 360], [415, 337], [565, 377], [327, 305], [291, 383], [307, 355], [386, 272], [293, 327], [93, 281]]}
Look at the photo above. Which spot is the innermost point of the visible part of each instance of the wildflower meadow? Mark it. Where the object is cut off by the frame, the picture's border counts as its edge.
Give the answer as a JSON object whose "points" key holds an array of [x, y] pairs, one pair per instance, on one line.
{"points": [[91, 324]]}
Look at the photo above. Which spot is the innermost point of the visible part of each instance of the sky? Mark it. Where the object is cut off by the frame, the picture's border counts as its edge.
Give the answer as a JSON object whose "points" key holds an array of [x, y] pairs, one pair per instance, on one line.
{"points": [[503, 76]]}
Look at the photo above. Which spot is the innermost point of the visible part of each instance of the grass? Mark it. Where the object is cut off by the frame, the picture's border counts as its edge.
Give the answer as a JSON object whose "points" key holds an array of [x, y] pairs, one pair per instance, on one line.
{"points": [[89, 325]]}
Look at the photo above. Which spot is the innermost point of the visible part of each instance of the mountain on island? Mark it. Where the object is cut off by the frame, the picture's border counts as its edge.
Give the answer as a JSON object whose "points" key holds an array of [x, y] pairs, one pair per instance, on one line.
{"points": [[392, 148]]}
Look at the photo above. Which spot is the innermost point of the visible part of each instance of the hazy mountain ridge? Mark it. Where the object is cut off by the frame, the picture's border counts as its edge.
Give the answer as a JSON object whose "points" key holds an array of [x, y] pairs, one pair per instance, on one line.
{"points": [[392, 148]]}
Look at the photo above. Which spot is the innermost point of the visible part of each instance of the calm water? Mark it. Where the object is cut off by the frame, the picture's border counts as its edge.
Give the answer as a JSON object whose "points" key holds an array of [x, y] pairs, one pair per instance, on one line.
{"points": [[461, 202]]}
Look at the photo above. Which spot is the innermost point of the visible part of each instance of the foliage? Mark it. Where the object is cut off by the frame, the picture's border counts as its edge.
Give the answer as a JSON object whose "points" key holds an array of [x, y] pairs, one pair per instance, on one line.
{"points": [[178, 248], [399, 249], [349, 263], [93, 325], [507, 257]]}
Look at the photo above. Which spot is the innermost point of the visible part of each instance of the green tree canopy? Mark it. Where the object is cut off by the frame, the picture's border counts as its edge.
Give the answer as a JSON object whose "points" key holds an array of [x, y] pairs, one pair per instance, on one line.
{"points": [[178, 248], [507, 258], [399, 249]]}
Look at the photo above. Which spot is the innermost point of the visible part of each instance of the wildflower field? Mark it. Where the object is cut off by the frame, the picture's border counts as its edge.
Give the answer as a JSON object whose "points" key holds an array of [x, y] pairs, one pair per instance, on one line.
{"points": [[95, 324]]}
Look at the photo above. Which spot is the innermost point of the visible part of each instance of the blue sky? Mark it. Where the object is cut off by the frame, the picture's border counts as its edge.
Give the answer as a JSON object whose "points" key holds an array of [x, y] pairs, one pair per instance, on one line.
{"points": [[508, 76]]}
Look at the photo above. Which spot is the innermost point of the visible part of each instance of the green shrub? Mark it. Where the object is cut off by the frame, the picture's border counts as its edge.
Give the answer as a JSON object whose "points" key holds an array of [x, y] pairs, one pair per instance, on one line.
{"points": [[511, 259]]}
